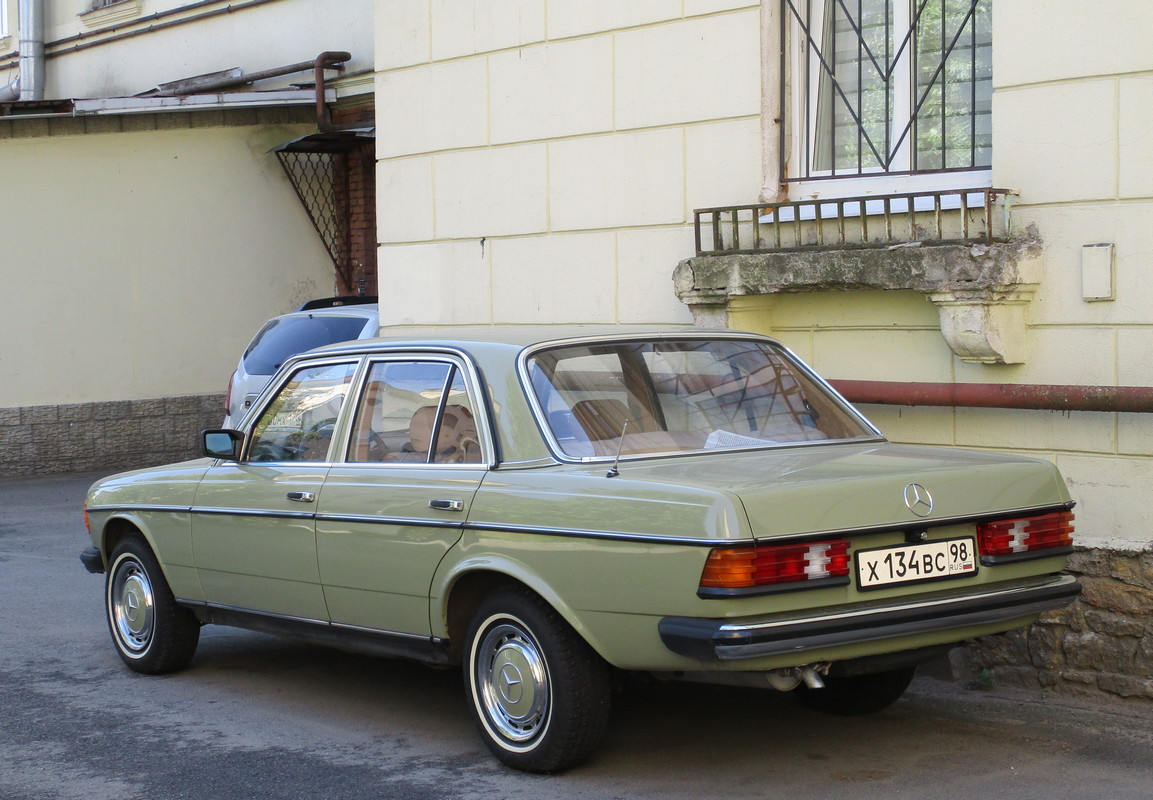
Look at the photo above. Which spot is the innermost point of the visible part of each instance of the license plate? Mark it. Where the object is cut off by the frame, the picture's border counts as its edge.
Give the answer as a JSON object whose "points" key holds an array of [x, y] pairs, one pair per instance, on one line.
{"points": [[913, 563]]}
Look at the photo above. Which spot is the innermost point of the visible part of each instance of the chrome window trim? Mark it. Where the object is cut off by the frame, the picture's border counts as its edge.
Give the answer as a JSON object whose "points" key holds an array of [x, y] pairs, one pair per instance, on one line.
{"points": [[468, 370], [355, 353], [541, 418], [287, 370]]}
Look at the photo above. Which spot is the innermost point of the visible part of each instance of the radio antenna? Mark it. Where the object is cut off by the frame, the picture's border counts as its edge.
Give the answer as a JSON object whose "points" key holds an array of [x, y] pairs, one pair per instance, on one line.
{"points": [[612, 473]]}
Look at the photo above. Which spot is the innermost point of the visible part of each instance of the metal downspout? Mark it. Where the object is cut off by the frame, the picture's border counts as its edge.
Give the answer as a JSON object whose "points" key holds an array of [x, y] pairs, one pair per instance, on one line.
{"points": [[332, 59], [31, 78]]}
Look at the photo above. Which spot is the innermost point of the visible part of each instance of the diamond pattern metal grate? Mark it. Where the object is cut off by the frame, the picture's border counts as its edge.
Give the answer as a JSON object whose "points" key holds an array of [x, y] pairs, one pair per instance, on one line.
{"points": [[321, 183]]}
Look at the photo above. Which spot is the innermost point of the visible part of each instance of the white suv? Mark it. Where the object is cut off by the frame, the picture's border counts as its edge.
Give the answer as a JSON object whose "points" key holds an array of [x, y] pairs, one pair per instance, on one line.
{"points": [[314, 324]]}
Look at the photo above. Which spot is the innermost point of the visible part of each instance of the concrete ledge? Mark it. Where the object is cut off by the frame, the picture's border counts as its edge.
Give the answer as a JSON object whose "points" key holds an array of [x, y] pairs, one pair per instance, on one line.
{"points": [[121, 434], [981, 291]]}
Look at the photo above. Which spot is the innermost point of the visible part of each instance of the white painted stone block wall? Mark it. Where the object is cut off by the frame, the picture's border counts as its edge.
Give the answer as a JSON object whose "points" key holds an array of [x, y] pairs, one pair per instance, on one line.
{"points": [[557, 150]]}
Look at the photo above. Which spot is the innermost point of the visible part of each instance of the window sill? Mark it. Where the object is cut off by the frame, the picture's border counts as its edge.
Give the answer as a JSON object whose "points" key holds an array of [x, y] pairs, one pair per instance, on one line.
{"points": [[111, 14]]}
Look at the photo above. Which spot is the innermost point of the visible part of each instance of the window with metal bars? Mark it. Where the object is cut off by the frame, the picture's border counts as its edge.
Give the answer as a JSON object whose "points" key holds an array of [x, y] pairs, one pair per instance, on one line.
{"points": [[885, 88]]}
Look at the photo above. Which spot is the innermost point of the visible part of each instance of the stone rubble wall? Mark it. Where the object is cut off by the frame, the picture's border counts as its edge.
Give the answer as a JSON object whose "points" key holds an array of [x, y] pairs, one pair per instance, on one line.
{"points": [[114, 435], [1102, 643]]}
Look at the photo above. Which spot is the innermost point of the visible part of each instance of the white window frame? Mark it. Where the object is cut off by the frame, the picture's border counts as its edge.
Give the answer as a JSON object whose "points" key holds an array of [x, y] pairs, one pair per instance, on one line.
{"points": [[793, 104]]}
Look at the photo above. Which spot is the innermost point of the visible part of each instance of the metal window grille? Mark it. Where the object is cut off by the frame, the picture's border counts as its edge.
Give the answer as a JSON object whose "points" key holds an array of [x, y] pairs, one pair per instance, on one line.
{"points": [[885, 86]]}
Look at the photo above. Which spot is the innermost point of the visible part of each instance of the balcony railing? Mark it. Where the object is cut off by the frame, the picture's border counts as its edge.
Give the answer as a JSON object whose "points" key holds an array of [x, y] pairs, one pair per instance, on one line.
{"points": [[927, 218]]}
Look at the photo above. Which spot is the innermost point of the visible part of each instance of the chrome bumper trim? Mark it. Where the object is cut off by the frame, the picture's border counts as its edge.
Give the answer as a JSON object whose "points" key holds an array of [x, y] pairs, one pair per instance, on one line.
{"points": [[723, 640]]}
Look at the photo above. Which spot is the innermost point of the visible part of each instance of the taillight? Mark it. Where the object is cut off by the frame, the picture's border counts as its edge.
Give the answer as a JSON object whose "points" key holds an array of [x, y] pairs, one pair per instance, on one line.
{"points": [[228, 398], [1011, 537], [775, 565]]}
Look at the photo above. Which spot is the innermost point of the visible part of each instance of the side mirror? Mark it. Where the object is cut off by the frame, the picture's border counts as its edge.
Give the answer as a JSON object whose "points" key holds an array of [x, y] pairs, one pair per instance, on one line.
{"points": [[223, 444]]}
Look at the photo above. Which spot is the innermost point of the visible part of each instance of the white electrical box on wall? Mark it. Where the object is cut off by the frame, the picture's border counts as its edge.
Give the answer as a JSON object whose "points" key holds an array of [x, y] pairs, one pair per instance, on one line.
{"points": [[1097, 271]]}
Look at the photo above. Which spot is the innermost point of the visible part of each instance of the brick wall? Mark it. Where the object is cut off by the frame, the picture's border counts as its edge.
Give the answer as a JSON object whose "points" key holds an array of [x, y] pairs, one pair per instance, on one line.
{"points": [[1103, 643], [125, 434], [361, 218]]}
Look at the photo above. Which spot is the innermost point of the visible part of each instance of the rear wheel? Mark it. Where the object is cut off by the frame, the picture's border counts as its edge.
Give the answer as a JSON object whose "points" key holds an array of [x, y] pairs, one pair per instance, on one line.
{"points": [[151, 632], [850, 696], [538, 693]]}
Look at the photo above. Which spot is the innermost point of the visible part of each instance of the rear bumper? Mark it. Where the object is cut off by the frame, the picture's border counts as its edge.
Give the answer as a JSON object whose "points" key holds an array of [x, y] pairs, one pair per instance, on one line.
{"points": [[731, 640]]}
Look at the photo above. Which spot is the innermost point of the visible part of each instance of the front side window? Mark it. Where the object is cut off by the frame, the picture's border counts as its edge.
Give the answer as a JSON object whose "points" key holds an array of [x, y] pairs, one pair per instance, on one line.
{"points": [[671, 396], [299, 422], [415, 412], [886, 87]]}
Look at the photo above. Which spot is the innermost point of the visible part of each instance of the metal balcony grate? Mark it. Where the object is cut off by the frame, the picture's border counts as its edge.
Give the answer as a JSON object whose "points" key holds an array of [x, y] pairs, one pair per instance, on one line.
{"points": [[929, 218], [318, 180]]}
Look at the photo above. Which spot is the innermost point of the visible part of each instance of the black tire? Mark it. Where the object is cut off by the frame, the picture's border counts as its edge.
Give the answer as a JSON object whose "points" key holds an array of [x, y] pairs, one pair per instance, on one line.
{"points": [[151, 632], [851, 696], [539, 695]]}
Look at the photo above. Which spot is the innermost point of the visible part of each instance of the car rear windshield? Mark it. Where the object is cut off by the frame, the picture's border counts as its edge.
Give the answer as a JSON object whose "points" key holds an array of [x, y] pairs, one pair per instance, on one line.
{"points": [[682, 395], [287, 336]]}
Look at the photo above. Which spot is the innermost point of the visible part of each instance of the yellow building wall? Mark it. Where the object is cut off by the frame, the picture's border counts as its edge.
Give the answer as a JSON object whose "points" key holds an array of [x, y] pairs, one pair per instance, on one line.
{"points": [[138, 265]]}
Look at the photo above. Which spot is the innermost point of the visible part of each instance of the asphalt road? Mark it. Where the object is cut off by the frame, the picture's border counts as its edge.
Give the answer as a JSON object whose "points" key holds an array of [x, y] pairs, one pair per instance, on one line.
{"points": [[257, 717]]}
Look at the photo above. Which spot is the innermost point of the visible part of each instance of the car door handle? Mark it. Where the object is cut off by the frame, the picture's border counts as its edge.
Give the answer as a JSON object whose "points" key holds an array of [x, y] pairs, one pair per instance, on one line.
{"points": [[302, 497], [446, 505]]}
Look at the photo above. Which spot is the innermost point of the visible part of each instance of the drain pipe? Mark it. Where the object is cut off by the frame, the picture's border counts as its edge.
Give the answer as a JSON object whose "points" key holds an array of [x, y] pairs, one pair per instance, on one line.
{"points": [[1126, 399], [31, 78], [331, 59]]}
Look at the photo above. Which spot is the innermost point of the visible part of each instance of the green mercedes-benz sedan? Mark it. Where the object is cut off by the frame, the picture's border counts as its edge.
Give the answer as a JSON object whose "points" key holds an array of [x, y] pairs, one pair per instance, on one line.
{"points": [[549, 507]]}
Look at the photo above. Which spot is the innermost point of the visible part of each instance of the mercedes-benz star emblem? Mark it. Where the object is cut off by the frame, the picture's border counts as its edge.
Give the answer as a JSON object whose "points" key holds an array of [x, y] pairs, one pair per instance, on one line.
{"points": [[918, 499]]}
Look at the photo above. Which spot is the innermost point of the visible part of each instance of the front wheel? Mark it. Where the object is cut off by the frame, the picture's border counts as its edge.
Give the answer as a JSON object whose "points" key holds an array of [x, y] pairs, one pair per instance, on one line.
{"points": [[539, 695], [151, 632], [854, 695]]}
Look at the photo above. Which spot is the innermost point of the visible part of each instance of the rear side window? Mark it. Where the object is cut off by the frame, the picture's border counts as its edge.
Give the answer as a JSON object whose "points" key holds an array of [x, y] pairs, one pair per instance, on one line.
{"points": [[415, 412], [287, 336]]}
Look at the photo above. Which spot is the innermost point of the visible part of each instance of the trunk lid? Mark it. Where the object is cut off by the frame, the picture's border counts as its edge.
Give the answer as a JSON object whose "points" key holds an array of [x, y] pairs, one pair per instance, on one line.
{"points": [[819, 489]]}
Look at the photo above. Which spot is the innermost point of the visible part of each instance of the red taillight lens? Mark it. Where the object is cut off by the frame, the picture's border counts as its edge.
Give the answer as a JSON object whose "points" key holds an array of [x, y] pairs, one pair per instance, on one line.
{"points": [[1012, 536], [228, 398], [746, 567]]}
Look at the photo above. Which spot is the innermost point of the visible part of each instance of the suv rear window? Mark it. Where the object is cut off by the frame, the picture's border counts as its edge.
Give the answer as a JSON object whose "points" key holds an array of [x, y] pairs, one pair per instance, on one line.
{"points": [[287, 336]]}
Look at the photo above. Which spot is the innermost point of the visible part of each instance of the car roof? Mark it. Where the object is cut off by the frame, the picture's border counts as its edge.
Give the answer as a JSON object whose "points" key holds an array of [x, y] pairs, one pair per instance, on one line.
{"points": [[364, 311], [515, 336]]}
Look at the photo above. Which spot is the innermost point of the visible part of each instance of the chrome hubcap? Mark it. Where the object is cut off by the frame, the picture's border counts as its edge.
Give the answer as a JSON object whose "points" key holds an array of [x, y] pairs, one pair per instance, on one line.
{"points": [[512, 679], [130, 601]]}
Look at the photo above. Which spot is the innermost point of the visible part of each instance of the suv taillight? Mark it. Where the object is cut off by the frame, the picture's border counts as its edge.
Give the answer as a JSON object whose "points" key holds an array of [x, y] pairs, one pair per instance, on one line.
{"points": [[1017, 537]]}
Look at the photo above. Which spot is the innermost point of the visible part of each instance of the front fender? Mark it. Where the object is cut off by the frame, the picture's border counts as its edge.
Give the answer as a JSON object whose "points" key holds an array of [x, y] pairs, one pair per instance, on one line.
{"points": [[168, 534]]}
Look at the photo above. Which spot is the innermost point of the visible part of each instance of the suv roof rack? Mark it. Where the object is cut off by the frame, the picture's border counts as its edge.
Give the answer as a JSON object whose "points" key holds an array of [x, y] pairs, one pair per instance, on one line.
{"points": [[334, 302]]}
